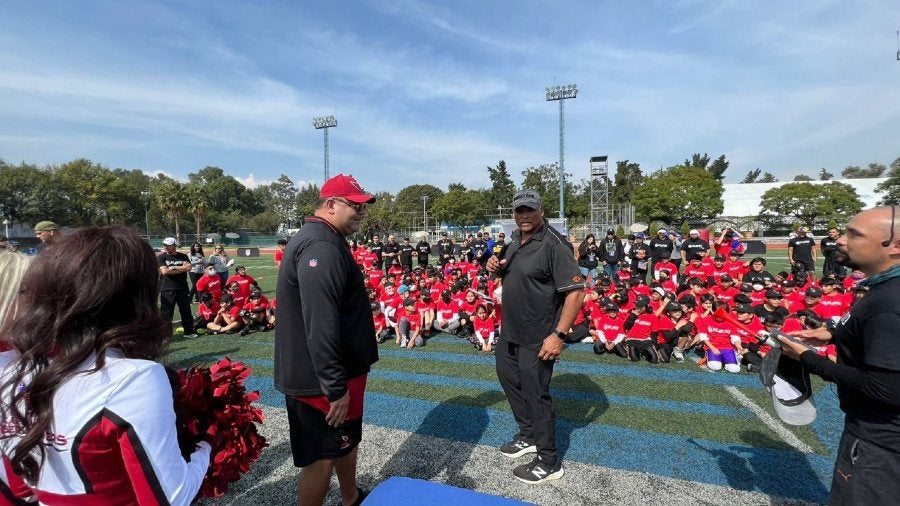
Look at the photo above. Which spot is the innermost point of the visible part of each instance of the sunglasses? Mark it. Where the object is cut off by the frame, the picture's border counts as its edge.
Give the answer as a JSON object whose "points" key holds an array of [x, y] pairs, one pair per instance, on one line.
{"points": [[356, 207]]}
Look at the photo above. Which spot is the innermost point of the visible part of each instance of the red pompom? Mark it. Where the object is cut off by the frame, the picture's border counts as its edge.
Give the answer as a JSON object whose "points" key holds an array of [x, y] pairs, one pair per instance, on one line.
{"points": [[213, 405]]}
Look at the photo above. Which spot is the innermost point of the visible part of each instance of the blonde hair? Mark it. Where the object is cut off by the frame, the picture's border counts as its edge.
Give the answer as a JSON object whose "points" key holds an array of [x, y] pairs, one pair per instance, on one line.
{"points": [[12, 270]]}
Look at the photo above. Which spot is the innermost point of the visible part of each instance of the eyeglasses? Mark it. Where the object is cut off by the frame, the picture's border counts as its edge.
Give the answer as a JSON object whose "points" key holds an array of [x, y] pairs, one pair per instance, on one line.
{"points": [[356, 207]]}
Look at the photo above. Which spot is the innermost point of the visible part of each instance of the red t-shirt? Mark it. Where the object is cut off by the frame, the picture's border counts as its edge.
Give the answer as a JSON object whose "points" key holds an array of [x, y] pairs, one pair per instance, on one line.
{"points": [[833, 305], [380, 321], [735, 269], [414, 319], [609, 328], [725, 295], [423, 307], [469, 307], [485, 327], [279, 257], [446, 310], [211, 284], [718, 332], [666, 323], [692, 271], [208, 312], [243, 281], [643, 327]]}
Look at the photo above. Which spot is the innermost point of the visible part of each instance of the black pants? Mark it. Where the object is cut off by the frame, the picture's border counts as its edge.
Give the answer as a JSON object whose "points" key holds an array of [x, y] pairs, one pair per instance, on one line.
{"points": [[832, 267], [168, 299], [526, 382], [864, 473], [195, 276]]}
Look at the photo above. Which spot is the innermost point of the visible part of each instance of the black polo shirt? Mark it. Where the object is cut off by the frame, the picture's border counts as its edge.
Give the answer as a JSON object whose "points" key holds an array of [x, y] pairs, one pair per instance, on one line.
{"points": [[802, 247], [693, 246], [536, 278]]}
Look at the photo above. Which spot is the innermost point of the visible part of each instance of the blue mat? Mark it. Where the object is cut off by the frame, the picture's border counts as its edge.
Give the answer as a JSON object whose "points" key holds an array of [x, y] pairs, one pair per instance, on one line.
{"points": [[399, 491]]}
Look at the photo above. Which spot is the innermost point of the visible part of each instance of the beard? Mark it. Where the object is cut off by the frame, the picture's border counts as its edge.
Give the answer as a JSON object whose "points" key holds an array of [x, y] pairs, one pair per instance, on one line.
{"points": [[842, 258]]}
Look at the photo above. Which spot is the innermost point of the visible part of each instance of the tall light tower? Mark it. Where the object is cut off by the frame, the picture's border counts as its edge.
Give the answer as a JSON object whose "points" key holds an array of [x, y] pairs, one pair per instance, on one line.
{"points": [[324, 123], [424, 215], [561, 94]]}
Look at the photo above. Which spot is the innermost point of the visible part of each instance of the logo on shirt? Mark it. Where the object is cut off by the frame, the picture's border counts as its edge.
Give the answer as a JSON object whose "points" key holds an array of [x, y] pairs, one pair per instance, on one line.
{"points": [[576, 279], [313, 262]]}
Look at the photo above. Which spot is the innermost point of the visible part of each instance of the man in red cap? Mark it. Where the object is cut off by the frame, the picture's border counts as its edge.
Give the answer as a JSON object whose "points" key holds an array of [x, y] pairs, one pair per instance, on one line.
{"points": [[323, 342]]}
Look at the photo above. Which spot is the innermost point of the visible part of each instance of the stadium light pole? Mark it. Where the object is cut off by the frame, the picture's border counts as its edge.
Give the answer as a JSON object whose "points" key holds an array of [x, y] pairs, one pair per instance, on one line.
{"points": [[424, 216], [561, 94], [324, 123]]}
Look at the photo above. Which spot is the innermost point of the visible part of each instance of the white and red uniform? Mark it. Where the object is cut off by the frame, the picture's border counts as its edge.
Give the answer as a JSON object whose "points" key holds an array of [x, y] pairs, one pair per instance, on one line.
{"points": [[610, 330], [113, 438]]}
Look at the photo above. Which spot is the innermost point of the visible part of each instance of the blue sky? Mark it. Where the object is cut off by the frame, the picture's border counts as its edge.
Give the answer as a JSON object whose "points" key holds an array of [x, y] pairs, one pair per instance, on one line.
{"points": [[437, 91]]}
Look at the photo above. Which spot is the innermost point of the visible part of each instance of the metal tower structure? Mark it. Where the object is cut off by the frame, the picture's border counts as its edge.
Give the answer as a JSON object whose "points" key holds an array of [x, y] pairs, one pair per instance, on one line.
{"points": [[601, 215], [561, 94], [324, 123]]}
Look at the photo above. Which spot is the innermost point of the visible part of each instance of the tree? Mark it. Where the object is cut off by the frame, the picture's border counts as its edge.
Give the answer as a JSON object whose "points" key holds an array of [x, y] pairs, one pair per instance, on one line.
{"points": [[802, 177], [752, 176], [306, 200], [197, 204], [872, 171], [679, 194], [92, 189], [409, 200], [16, 185], [718, 168], [628, 177], [768, 177], [381, 217], [283, 202], [502, 186], [895, 168], [824, 175], [461, 207], [810, 203], [171, 197], [891, 190], [545, 180], [698, 161]]}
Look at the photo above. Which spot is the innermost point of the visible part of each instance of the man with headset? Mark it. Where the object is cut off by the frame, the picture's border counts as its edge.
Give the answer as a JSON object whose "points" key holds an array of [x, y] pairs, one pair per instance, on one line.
{"points": [[867, 373]]}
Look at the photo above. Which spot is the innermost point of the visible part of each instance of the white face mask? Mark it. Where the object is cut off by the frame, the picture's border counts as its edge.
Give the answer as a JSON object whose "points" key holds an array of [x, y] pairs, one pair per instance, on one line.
{"points": [[210, 271]]}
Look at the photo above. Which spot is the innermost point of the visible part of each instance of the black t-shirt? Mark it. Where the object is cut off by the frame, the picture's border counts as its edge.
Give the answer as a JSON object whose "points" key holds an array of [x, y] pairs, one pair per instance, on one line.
{"points": [[867, 338], [174, 281], [758, 278], [536, 279], [660, 248], [389, 252], [829, 247], [692, 246], [445, 247], [802, 247], [406, 253], [423, 249], [479, 248], [377, 248]]}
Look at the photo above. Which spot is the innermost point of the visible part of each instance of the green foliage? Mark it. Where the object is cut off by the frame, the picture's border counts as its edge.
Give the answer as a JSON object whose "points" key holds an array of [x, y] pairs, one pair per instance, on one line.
{"points": [[306, 201], [628, 177], [810, 203], [678, 194], [620, 231], [802, 177], [752, 176], [502, 186], [824, 175], [895, 168], [461, 207], [890, 188], [854, 172], [768, 177], [382, 216], [409, 200], [685, 228], [266, 222], [545, 180]]}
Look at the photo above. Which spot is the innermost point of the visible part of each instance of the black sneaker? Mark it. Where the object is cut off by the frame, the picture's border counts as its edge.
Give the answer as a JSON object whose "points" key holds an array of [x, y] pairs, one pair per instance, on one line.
{"points": [[538, 471], [245, 331], [517, 447]]}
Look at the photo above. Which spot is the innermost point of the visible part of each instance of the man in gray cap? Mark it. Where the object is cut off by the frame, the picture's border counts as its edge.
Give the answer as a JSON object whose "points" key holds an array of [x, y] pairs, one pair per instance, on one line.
{"points": [[541, 280], [47, 232], [173, 286]]}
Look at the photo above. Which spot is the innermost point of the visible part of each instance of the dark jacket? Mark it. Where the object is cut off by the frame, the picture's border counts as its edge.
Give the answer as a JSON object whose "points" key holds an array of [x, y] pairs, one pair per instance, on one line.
{"points": [[325, 333], [612, 255]]}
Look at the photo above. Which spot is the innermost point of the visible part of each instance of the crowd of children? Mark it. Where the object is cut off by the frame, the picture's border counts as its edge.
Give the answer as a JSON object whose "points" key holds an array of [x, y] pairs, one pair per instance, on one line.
{"points": [[235, 305], [715, 306]]}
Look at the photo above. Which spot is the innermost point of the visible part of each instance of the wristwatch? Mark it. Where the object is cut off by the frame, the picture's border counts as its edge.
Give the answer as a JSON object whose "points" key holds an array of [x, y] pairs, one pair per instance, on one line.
{"points": [[560, 334]]}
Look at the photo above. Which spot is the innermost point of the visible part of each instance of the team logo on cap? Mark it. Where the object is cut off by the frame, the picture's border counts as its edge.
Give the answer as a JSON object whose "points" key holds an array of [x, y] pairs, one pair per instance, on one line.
{"points": [[576, 279], [313, 262]]}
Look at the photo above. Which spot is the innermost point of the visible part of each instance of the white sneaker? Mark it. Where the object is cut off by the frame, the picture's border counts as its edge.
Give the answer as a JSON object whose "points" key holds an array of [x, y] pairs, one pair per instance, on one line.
{"points": [[403, 343]]}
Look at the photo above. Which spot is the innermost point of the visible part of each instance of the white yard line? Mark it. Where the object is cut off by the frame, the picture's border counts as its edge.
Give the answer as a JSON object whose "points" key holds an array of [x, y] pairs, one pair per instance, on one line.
{"points": [[771, 422]]}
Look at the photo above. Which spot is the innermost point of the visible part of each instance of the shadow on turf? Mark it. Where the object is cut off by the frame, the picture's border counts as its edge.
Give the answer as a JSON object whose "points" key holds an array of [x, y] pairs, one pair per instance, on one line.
{"points": [[752, 468], [577, 414], [463, 420], [208, 357]]}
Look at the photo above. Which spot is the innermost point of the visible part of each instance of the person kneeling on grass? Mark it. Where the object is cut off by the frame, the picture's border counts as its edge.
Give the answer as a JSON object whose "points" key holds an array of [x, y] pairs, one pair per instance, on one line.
{"points": [[256, 313], [206, 311], [609, 329], [228, 319], [639, 327], [716, 334], [484, 338], [409, 326], [383, 330]]}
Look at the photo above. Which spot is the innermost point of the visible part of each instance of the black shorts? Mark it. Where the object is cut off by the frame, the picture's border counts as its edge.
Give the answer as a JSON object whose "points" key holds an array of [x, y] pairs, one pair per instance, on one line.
{"points": [[312, 439], [801, 265]]}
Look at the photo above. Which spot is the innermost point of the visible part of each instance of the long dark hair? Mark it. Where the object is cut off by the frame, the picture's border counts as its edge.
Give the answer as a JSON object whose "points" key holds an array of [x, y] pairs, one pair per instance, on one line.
{"points": [[94, 290], [197, 248]]}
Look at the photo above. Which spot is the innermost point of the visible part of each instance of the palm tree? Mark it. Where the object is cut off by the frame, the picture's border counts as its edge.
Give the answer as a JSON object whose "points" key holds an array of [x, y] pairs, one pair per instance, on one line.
{"points": [[198, 204], [170, 196]]}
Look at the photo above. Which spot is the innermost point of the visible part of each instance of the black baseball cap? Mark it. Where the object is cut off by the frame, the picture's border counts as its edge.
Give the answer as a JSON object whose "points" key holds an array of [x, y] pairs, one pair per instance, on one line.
{"points": [[774, 294], [610, 307], [641, 301], [813, 292], [673, 306], [743, 308], [726, 278]]}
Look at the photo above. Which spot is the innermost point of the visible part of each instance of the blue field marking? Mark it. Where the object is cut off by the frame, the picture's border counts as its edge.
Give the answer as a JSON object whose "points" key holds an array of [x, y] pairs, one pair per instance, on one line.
{"points": [[779, 472], [576, 395]]}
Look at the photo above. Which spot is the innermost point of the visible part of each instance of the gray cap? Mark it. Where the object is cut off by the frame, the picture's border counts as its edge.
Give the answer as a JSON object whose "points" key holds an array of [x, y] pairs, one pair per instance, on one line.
{"points": [[528, 198], [169, 241]]}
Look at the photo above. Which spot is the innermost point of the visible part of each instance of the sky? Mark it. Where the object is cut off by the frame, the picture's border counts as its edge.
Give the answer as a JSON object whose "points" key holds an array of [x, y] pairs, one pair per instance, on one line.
{"points": [[435, 92]]}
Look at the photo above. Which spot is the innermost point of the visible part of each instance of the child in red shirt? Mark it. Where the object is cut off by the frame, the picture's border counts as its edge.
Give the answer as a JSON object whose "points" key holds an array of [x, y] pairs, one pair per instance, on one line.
{"points": [[228, 318], [409, 326], [206, 311], [484, 337]]}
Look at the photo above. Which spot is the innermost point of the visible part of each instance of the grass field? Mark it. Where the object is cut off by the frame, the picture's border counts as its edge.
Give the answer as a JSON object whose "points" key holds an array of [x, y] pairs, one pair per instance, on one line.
{"points": [[671, 421]]}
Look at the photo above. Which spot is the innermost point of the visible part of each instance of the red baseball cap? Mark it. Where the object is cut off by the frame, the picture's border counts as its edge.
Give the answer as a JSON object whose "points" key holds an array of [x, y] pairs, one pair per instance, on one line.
{"points": [[346, 187]]}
